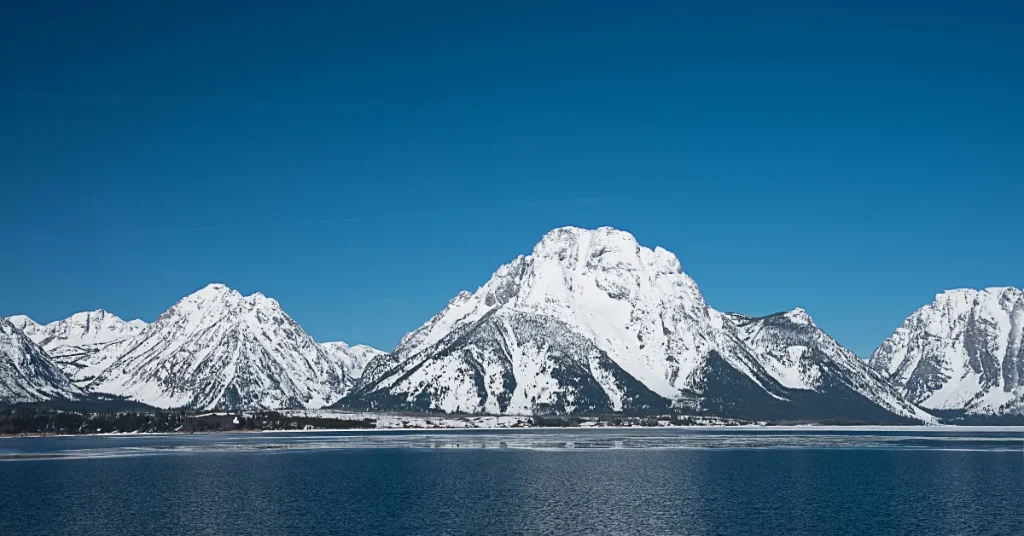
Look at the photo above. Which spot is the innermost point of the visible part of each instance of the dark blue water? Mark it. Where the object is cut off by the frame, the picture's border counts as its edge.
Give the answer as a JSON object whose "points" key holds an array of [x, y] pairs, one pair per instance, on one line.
{"points": [[533, 482]]}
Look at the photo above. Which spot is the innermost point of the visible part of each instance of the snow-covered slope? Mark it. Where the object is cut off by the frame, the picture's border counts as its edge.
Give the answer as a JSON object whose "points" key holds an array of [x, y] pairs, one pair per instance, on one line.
{"points": [[80, 329], [352, 358], [591, 321], [75, 342], [962, 352], [26, 325], [801, 356], [508, 362], [636, 303], [26, 373], [219, 349]]}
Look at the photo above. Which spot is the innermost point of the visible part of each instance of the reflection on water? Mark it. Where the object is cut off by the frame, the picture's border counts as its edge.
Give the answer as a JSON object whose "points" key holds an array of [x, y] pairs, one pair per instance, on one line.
{"points": [[1005, 439], [517, 482]]}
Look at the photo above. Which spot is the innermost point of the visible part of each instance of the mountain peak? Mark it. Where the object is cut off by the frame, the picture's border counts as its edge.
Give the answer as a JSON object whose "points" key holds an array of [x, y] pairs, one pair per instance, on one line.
{"points": [[593, 321], [88, 316], [77, 335], [82, 318], [258, 299], [578, 250], [955, 294], [962, 300], [800, 316], [214, 289], [26, 372], [461, 297], [353, 358], [1002, 290], [218, 349], [212, 293], [575, 249], [1005, 293], [960, 352], [556, 239], [24, 323]]}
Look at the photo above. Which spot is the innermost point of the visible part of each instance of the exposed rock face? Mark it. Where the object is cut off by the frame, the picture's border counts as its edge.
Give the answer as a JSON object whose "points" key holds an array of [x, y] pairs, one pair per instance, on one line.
{"points": [[353, 358], [592, 321], [217, 349], [962, 352], [74, 343], [26, 372]]}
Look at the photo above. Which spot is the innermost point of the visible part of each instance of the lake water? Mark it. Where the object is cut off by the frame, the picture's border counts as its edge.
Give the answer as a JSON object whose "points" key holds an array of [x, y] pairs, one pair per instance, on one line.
{"points": [[610, 481]]}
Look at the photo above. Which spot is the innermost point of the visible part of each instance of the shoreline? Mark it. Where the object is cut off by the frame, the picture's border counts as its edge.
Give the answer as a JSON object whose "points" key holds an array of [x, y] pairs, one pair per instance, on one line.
{"points": [[742, 427]]}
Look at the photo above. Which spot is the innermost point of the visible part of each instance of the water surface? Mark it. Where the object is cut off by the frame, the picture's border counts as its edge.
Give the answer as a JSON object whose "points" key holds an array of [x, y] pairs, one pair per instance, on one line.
{"points": [[612, 481]]}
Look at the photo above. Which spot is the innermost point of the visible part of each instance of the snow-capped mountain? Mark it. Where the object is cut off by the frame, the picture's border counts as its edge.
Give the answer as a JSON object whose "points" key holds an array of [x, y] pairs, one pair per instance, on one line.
{"points": [[802, 357], [75, 342], [590, 321], [353, 358], [962, 352], [507, 362], [26, 373], [219, 349]]}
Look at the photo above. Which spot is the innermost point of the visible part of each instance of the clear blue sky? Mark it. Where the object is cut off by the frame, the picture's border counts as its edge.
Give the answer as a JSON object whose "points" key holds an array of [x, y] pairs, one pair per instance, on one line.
{"points": [[853, 160]]}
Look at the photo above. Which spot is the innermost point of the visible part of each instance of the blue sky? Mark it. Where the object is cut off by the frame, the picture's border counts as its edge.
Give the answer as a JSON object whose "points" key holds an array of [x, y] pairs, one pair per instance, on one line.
{"points": [[363, 162]]}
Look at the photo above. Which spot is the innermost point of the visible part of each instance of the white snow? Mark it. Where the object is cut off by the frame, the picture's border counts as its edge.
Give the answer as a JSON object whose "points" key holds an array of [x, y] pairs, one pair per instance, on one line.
{"points": [[631, 302], [595, 293], [74, 342], [959, 351], [606, 287], [26, 372], [216, 348], [799, 316], [353, 358], [80, 329]]}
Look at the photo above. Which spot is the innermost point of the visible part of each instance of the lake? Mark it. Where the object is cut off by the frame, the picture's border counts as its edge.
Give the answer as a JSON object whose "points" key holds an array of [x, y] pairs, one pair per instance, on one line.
{"points": [[602, 481]]}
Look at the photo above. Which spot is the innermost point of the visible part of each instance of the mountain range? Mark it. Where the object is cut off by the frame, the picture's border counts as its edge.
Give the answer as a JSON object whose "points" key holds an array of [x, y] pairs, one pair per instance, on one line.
{"points": [[213, 349], [75, 343], [589, 322]]}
